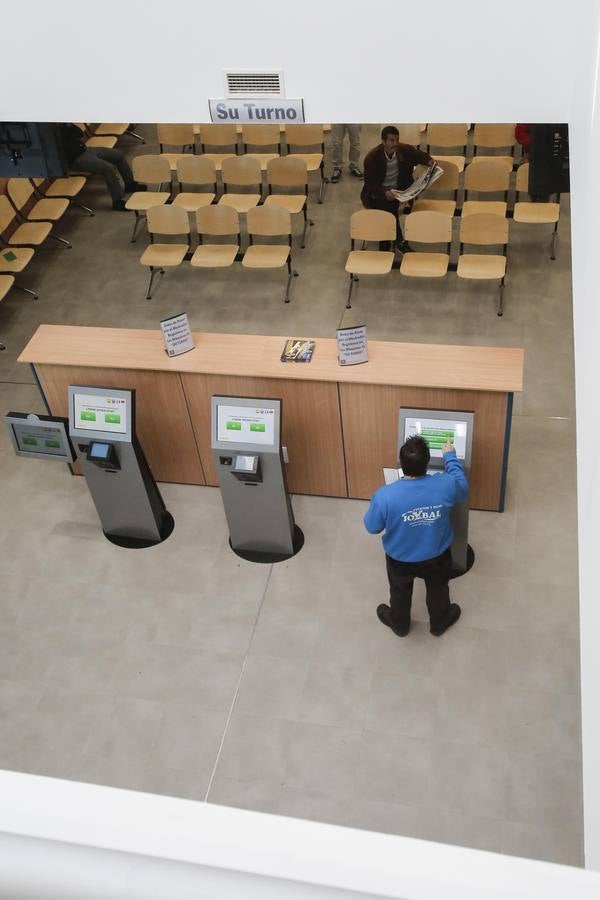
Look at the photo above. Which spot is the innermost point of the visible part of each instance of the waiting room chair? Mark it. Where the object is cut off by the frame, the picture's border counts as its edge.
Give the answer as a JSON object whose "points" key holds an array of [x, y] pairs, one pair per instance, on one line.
{"points": [[270, 222], [297, 136], [447, 183], [13, 260], [262, 136], [118, 129], [241, 171], [155, 172], [530, 213], [409, 134], [493, 137], [6, 282], [20, 192], [198, 172], [216, 222], [165, 221], [486, 178], [90, 139], [30, 234], [283, 173], [369, 225], [451, 135], [427, 227], [484, 230], [224, 137], [175, 136], [67, 188]]}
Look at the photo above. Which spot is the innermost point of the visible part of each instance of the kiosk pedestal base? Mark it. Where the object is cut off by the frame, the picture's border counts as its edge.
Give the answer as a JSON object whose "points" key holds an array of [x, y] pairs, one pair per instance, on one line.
{"points": [[140, 543], [262, 557], [456, 573]]}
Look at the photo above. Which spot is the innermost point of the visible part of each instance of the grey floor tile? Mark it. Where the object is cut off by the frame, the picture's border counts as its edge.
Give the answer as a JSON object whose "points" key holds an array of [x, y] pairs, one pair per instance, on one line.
{"points": [[541, 841], [469, 778], [544, 788]]}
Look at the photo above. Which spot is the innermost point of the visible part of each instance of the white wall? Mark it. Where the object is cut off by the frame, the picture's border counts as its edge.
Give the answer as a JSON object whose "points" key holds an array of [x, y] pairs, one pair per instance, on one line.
{"points": [[151, 60]]}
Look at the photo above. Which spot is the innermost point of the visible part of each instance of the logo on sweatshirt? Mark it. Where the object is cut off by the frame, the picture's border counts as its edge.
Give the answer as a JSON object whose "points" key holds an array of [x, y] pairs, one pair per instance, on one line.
{"points": [[424, 514]]}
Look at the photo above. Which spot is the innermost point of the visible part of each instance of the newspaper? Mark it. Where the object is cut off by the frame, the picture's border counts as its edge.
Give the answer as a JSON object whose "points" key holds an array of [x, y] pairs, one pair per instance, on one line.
{"points": [[420, 184]]}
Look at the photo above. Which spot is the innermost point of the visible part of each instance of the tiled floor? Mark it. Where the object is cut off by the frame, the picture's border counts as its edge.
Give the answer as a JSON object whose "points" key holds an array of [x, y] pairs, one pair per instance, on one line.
{"points": [[184, 670]]}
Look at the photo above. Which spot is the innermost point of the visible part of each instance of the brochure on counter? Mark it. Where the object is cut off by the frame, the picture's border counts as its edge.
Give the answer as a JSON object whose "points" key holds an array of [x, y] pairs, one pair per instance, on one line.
{"points": [[298, 350]]}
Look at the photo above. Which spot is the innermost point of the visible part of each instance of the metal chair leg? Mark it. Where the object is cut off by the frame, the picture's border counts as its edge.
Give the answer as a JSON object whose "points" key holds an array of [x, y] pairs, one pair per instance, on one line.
{"points": [[153, 272], [353, 278], [138, 219], [291, 274], [20, 287], [553, 244], [2, 346], [324, 181], [135, 135], [86, 209], [501, 298], [67, 244], [307, 222]]}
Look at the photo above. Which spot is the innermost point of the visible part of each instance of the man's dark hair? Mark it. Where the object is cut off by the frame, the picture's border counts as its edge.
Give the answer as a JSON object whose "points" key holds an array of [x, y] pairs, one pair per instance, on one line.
{"points": [[414, 456], [388, 130]]}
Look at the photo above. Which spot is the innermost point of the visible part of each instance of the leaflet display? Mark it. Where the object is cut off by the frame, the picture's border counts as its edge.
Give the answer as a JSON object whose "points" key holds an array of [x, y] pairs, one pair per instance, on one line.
{"points": [[246, 425], [100, 412], [438, 432]]}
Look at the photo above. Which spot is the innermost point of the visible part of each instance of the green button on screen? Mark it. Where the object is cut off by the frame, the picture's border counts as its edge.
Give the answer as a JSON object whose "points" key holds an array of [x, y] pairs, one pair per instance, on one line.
{"points": [[30, 441], [257, 426], [88, 416], [234, 426], [112, 418], [54, 444]]}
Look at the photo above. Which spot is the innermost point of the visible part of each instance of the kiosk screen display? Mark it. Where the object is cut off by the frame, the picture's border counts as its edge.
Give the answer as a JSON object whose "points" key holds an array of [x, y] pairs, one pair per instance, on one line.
{"points": [[100, 413], [246, 425], [438, 432], [46, 439]]}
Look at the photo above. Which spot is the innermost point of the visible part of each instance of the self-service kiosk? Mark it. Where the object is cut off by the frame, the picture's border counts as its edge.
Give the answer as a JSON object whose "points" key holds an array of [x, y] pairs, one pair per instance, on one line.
{"points": [[39, 437], [247, 452], [127, 499], [439, 427]]}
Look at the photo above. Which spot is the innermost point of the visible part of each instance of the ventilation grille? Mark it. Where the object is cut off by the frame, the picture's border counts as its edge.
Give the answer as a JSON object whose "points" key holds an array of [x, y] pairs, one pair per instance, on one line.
{"points": [[254, 84]]}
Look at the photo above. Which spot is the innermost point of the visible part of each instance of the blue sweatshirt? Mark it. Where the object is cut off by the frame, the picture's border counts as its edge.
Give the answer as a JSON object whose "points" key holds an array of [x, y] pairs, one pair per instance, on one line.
{"points": [[415, 513]]}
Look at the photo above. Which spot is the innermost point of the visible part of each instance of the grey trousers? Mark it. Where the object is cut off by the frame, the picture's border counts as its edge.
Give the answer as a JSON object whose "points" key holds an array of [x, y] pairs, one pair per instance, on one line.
{"points": [[337, 138], [103, 161]]}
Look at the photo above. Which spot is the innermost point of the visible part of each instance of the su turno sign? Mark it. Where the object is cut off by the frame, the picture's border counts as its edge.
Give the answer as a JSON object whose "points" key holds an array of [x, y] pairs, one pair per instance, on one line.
{"points": [[256, 110]]}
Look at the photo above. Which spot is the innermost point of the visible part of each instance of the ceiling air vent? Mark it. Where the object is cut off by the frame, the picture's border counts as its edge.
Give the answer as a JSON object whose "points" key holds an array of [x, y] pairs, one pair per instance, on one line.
{"points": [[254, 84]]}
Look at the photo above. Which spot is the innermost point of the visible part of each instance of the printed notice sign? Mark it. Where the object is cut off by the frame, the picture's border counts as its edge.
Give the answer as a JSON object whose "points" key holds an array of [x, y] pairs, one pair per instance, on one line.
{"points": [[177, 335], [352, 345]]}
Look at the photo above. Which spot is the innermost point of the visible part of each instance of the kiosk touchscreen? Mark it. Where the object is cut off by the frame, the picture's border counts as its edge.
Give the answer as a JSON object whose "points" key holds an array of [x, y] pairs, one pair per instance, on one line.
{"points": [[439, 427], [246, 444], [102, 427], [39, 437]]}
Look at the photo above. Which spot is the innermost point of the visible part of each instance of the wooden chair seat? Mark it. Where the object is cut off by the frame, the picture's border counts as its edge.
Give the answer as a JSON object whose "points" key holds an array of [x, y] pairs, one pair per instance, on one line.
{"points": [[475, 265], [448, 207], [31, 233], [66, 187], [369, 262], [496, 207], [218, 158], [536, 213], [266, 256], [294, 203], [48, 209], [459, 161], [262, 158], [191, 201], [23, 257], [172, 159], [241, 202], [164, 254], [108, 142], [507, 161], [214, 256], [6, 282], [112, 128], [143, 200], [424, 265], [313, 160]]}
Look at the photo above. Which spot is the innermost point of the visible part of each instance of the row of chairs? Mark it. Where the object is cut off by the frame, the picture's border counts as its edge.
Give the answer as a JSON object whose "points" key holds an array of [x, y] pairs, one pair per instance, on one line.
{"points": [[287, 185], [218, 222], [456, 135], [477, 229], [106, 134]]}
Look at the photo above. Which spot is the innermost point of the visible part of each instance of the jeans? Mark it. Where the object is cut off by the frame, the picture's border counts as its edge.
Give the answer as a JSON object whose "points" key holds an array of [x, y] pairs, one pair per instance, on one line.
{"points": [[102, 161], [435, 573], [337, 138]]}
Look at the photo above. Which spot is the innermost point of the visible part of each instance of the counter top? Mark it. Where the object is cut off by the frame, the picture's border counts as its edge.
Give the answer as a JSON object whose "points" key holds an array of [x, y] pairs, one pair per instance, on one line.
{"points": [[390, 362]]}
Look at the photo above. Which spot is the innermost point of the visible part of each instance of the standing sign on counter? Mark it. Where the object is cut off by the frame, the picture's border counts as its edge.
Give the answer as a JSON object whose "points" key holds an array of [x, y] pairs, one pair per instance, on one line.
{"points": [[177, 334], [352, 345]]}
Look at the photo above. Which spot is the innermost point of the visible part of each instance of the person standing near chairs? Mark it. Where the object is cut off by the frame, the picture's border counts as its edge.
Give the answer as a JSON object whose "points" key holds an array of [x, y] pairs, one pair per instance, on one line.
{"points": [[414, 514], [388, 167], [102, 161], [337, 140]]}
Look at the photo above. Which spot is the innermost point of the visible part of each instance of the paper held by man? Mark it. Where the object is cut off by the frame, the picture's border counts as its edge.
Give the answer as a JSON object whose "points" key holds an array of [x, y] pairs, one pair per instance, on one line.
{"points": [[420, 184]]}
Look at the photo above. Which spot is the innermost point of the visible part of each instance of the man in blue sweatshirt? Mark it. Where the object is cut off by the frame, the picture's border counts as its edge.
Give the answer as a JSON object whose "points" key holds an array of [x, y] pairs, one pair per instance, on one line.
{"points": [[414, 513]]}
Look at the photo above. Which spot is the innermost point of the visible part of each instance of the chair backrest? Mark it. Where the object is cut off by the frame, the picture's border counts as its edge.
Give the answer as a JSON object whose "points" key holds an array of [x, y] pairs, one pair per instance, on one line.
{"points": [[168, 220], [448, 181], [447, 135], [494, 135], [304, 135], [287, 171], [487, 176], [428, 227], [195, 170], [372, 225], [261, 135], [19, 191], [151, 169], [241, 170], [7, 213], [483, 228], [409, 134], [175, 135], [522, 184], [218, 220], [269, 221], [218, 135]]}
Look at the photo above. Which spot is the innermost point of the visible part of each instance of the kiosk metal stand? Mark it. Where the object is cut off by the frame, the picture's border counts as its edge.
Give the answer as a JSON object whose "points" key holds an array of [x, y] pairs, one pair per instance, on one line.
{"points": [[246, 445], [439, 427], [125, 494]]}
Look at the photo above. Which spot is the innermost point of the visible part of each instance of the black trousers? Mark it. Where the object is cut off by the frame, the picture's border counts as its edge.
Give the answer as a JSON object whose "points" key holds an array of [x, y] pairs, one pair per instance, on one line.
{"points": [[391, 206], [435, 573]]}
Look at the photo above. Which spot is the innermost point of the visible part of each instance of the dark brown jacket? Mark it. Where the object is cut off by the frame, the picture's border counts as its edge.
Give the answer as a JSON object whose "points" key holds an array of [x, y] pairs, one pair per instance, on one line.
{"points": [[375, 169]]}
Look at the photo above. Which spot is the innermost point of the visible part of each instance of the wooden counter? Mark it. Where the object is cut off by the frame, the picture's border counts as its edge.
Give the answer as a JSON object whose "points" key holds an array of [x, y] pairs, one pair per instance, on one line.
{"points": [[339, 422]]}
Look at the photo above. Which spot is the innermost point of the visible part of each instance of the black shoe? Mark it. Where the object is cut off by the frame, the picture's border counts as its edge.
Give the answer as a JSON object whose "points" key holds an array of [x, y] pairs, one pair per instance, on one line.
{"points": [[357, 173], [119, 204], [384, 614], [336, 175], [134, 187], [452, 617]]}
